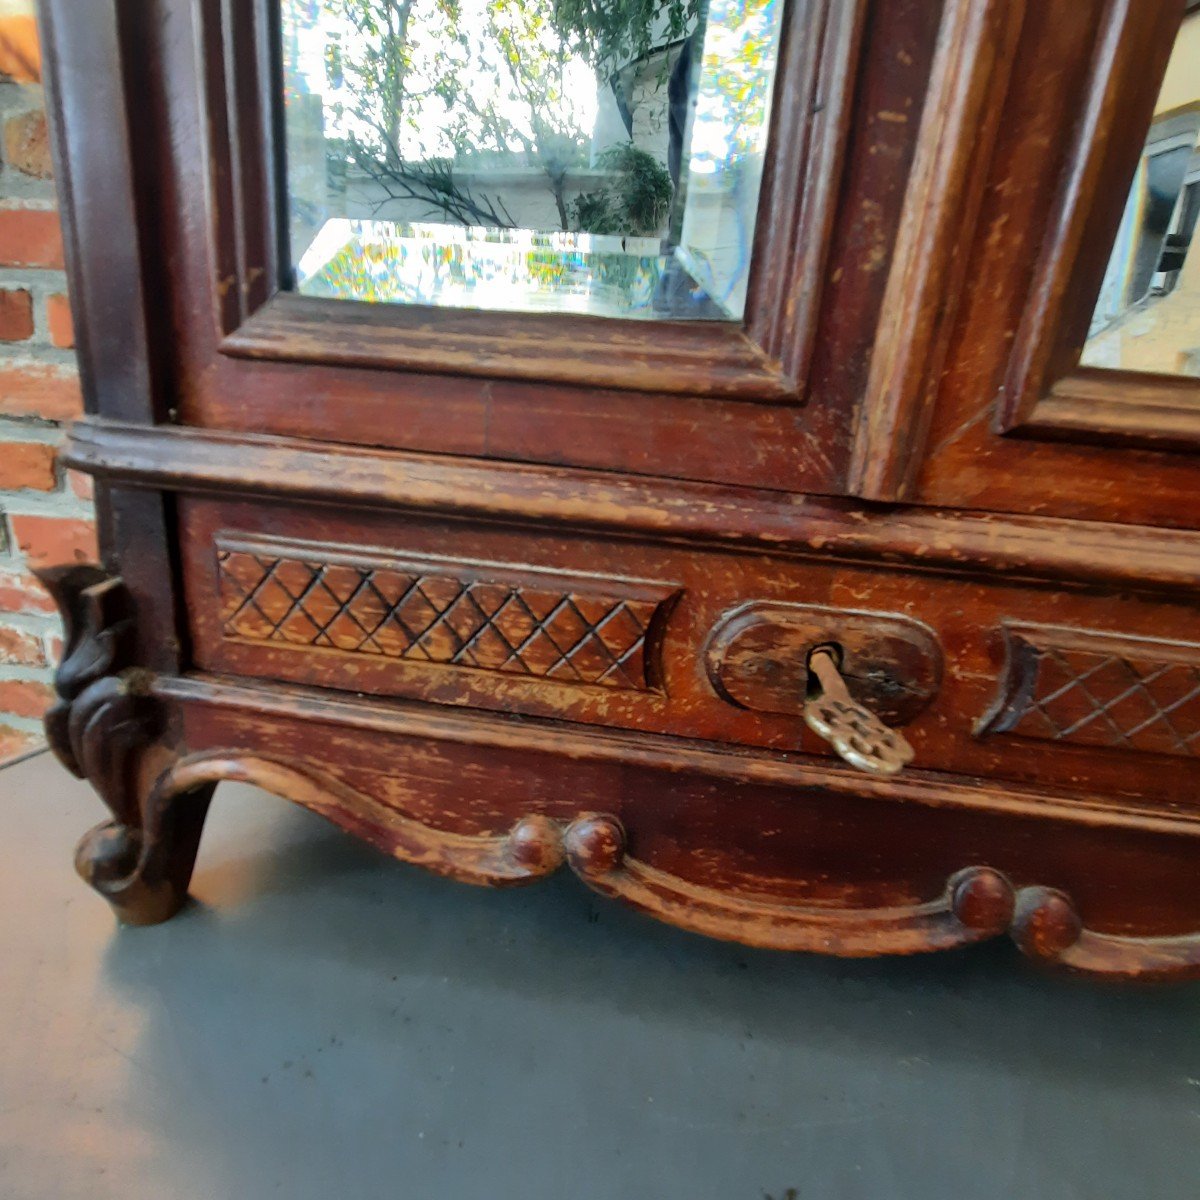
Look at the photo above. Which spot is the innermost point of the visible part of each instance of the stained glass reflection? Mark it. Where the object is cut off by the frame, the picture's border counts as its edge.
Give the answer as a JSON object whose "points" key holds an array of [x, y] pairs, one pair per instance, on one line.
{"points": [[528, 155]]}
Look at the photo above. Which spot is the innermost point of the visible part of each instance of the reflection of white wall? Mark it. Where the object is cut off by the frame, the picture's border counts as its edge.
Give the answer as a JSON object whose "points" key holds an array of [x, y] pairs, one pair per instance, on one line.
{"points": [[651, 124], [1180, 86], [644, 86], [610, 127]]}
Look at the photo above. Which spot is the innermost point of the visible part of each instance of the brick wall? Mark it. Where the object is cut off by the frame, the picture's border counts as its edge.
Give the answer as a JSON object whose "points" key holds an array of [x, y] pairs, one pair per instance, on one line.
{"points": [[45, 511]]}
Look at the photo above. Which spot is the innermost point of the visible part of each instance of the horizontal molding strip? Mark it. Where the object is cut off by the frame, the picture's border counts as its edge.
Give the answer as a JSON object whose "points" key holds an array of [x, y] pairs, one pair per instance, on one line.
{"points": [[412, 719], [1050, 549]]}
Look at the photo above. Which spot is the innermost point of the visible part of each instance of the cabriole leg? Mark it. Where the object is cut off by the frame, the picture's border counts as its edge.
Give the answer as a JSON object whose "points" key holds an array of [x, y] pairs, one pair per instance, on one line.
{"points": [[106, 727]]}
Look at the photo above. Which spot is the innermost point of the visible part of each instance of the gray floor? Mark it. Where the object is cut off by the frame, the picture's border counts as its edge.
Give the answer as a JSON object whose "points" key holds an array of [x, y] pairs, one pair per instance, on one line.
{"points": [[326, 1023]]}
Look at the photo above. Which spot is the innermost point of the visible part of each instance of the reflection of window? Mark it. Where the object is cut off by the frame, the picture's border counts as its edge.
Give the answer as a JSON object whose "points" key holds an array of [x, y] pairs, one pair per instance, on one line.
{"points": [[1147, 316], [1179, 234], [1158, 224]]}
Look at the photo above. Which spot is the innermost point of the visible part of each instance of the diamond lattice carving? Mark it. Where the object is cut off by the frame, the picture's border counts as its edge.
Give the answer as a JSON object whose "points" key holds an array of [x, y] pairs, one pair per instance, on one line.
{"points": [[546, 628], [1101, 690]]}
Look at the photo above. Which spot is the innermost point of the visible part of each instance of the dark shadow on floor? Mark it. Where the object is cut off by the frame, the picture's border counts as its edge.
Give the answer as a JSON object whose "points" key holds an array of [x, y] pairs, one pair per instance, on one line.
{"points": [[324, 1022], [551, 1043]]}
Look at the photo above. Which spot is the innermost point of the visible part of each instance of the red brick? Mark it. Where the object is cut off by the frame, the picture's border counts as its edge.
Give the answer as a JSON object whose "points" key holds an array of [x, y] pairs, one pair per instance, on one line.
{"points": [[20, 55], [48, 541], [25, 697], [15, 742], [16, 315], [30, 237], [27, 145], [81, 484], [21, 593], [27, 465], [58, 320], [20, 648], [33, 390]]}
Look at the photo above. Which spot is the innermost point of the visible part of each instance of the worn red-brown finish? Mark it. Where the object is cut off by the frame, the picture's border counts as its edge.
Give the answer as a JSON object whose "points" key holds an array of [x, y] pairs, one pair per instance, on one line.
{"points": [[1017, 425], [504, 594]]}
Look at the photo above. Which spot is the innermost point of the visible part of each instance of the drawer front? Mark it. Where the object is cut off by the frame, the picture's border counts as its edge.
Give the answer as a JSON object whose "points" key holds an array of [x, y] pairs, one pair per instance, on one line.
{"points": [[1071, 688], [581, 630]]}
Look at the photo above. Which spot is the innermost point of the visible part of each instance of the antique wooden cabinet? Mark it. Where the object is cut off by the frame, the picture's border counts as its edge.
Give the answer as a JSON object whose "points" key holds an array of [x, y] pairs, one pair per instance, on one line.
{"points": [[499, 579]]}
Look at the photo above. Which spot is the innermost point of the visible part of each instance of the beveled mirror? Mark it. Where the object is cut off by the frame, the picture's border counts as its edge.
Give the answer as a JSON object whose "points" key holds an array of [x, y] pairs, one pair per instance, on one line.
{"points": [[528, 155]]}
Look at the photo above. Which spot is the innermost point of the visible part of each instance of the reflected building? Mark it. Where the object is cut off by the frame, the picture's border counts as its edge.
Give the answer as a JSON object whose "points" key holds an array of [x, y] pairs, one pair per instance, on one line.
{"points": [[1148, 314]]}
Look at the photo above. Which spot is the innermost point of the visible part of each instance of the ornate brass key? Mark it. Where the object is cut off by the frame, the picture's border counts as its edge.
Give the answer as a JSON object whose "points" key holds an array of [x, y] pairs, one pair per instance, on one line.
{"points": [[855, 732]]}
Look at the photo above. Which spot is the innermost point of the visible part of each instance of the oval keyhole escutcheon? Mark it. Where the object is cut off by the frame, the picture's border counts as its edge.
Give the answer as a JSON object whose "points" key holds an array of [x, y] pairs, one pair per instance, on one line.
{"points": [[757, 657]]}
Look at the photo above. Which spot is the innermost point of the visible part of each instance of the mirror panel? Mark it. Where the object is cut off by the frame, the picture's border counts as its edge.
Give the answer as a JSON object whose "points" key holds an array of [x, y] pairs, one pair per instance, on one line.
{"points": [[528, 155], [1148, 315]]}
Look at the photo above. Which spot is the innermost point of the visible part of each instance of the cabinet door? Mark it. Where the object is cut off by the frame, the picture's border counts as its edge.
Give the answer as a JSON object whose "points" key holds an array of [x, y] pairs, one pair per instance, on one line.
{"points": [[878, 248], [1056, 363], [557, 262]]}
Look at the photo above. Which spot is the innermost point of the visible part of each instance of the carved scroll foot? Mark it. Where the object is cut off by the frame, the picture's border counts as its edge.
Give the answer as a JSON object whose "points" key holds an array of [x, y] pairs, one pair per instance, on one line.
{"points": [[144, 872], [103, 728]]}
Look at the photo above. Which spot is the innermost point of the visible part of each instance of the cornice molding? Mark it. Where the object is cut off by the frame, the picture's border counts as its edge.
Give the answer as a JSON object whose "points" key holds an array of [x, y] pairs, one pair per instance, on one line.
{"points": [[1042, 549]]}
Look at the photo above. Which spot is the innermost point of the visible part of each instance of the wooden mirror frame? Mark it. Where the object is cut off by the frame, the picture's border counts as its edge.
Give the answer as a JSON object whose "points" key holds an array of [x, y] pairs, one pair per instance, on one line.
{"points": [[764, 358], [1047, 393], [954, 412], [178, 195]]}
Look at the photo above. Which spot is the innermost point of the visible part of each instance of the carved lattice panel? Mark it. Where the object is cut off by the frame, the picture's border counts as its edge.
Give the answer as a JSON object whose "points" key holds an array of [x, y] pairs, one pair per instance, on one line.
{"points": [[1099, 689], [487, 617]]}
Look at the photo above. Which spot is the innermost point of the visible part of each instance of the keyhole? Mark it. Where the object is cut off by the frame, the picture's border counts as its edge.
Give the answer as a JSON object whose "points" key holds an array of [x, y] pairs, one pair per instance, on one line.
{"points": [[813, 686]]}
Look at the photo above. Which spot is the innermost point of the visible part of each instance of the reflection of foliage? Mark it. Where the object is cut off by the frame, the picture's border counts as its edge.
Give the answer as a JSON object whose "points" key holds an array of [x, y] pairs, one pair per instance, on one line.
{"points": [[594, 212], [636, 200], [494, 91], [738, 66], [431, 182], [610, 34], [532, 69], [399, 263]]}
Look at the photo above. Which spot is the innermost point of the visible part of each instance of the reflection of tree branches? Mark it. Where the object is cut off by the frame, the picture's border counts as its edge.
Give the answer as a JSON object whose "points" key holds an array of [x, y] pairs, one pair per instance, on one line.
{"points": [[534, 63], [406, 55], [609, 33], [433, 184], [433, 89], [385, 65]]}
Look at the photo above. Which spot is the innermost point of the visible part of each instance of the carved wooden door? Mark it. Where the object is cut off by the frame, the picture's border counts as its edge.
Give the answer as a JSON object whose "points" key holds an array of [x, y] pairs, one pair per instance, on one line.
{"points": [[749, 453]]}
